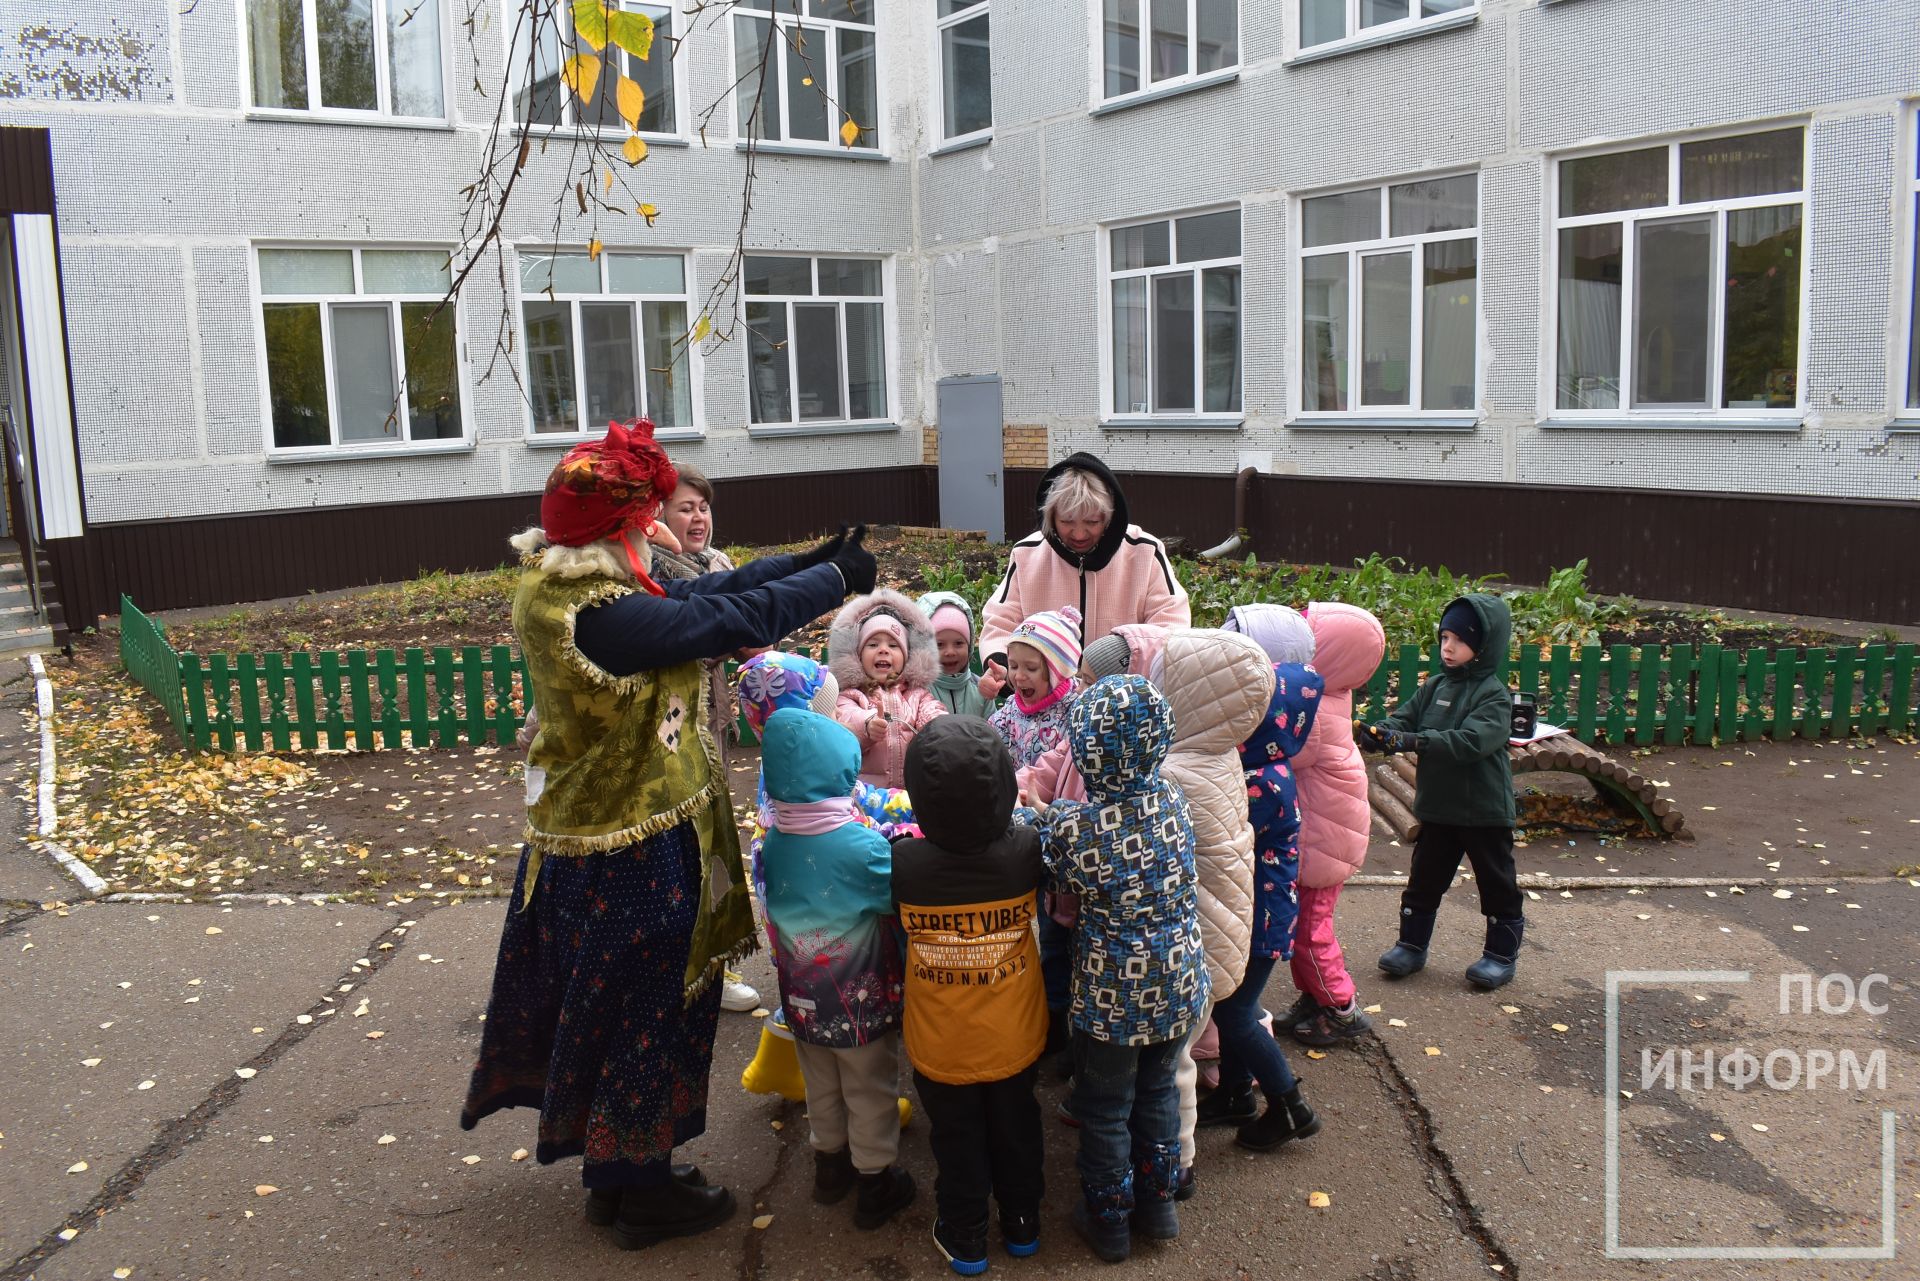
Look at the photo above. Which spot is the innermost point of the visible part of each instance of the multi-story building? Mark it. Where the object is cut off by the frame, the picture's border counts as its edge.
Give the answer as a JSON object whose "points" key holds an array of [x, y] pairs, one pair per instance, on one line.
{"points": [[1496, 284]]}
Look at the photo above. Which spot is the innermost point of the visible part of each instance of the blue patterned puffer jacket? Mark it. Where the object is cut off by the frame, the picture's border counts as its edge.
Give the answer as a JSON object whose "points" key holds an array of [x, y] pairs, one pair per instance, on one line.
{"points": [[1139, 968], [1273, 805]]}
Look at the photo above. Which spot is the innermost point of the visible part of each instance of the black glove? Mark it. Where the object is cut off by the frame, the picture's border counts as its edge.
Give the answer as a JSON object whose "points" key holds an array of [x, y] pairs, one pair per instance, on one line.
{"points": [[825, 551], [856, 564], [1382, 738]]}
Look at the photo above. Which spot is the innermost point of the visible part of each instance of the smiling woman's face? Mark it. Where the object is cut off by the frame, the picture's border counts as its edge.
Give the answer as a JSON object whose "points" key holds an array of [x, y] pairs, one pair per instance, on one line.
{"points": [[690, 518]]}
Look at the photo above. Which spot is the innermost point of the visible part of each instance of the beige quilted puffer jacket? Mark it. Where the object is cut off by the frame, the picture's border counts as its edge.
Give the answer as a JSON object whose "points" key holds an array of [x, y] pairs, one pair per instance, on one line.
{"points": [[1219, 685]]}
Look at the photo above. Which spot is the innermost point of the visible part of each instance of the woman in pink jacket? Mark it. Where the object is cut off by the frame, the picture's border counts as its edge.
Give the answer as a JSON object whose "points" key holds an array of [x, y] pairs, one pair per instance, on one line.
{"points": [[882, 652], [1334, 823], [1087, 555]]}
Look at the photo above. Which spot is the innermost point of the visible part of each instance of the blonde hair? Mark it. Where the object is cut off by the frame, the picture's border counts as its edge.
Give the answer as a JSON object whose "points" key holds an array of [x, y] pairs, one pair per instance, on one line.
{"points": [[1075, 493], [608, 557]]}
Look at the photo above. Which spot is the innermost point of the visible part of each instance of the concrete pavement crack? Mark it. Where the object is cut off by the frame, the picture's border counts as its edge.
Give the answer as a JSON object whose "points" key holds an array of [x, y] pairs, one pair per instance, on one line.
{"points": [[1445, 1179], [752, 1260], [176, 1135]]}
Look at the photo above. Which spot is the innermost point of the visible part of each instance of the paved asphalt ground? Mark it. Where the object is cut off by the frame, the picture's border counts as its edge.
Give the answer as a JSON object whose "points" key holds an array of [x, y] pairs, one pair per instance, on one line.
{"points": [[192, 1055]]}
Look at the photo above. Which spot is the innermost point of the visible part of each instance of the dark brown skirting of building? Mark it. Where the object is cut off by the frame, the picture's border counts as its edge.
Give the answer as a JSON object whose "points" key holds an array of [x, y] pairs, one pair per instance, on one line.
{"points": [[177, 564], [1823, 557]]}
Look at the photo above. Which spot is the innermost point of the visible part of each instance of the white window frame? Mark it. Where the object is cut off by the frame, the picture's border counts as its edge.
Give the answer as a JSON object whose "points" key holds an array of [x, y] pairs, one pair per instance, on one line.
{"points": [[775, 11], [1200, 417], [696, 429], [978, 9], [1630, 220], [889, 327], [516, 60], [1907, 395], [1359, 37], [338, 449], [1356, 252], [383, 73], [1150, 89]]}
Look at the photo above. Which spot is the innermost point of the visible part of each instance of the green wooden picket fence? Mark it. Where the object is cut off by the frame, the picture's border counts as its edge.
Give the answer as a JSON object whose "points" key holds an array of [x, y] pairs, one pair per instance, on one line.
{"points": [[446, 697], [332, 700]]}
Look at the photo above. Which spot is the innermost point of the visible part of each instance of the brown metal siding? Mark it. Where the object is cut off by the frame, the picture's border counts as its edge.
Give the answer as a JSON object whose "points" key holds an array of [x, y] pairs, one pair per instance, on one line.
{"points": [[26, 171], [264, 555], [1832, 558]]}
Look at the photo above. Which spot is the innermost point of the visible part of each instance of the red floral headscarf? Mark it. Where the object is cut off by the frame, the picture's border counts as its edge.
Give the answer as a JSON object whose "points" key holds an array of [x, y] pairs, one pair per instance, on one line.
{"points": [[603, 488]]}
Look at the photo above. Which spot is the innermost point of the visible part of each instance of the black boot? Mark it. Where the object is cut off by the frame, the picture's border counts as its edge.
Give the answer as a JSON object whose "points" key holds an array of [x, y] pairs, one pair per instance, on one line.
{"points": [[1286, 1118], [604, 1203], [832, 1176], [1101, 1217], [882, 1196], [1409, 955], [673, 1210], [1502, 952], [1227, 1107]]}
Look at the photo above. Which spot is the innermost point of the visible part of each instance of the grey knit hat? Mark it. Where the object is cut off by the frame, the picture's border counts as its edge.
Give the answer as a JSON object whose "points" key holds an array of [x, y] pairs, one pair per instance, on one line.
{"points": [[1108, 656]]}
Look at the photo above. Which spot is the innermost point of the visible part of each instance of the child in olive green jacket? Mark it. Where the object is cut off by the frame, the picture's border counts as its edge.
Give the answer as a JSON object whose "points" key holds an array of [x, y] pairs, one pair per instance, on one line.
{"points": [[1459, 722]]}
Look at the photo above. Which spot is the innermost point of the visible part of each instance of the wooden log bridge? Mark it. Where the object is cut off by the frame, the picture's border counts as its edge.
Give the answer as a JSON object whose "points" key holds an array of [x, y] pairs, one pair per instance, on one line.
{"points": [[1391, 782]]}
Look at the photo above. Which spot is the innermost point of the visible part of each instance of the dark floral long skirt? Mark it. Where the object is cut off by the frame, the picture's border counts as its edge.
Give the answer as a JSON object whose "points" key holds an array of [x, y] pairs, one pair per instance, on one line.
{"points": [[587, 1021]]}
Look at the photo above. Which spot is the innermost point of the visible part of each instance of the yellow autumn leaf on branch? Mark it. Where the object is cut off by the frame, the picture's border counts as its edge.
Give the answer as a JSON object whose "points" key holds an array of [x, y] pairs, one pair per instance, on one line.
{"points": [[636, 149], [593, 249], [607, 185], [581, 73], [849, 132], [631, 99], [590, 21], [649, 212], [631, 31], [702, 327]]}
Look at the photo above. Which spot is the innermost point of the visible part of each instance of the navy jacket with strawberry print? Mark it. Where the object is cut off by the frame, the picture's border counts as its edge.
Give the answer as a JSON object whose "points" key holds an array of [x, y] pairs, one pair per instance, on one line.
{"points": [[1273, 805]]}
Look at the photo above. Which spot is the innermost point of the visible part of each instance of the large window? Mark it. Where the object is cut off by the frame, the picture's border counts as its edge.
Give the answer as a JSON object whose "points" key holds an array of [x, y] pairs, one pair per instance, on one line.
{"points": [[1174, 315], [1913, 315], [1678, 271], [356, 354], [378, 57], [816, 339], [546, 100], [1329, 21], [966, 70], [1156, 44], [606, 340], [807, 78], [1389, 298]]}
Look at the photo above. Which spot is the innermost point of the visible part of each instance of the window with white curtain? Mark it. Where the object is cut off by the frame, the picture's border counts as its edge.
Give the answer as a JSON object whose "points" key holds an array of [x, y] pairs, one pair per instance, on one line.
{"points": [[605, 340], [1913, 313], [368, 57], [804, 77], [1389, 298], [816, 339], [966, 69], [1325, 22], [1161, 44], [1678, 277], [1173, 315], [358, 350], [539, 97]]}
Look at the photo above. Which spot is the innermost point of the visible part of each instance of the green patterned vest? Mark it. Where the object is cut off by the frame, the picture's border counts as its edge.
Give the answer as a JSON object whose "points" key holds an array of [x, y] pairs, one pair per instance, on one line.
{"points": [[626, 758]]}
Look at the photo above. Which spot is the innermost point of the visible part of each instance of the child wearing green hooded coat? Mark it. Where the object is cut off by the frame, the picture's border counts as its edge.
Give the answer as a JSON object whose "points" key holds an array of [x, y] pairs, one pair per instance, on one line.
{"points": [[1459, 722]]}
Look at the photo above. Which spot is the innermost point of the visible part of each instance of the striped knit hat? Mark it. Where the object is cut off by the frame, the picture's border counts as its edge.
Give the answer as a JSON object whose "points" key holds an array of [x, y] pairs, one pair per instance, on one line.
{"points": [[1055, 633]]}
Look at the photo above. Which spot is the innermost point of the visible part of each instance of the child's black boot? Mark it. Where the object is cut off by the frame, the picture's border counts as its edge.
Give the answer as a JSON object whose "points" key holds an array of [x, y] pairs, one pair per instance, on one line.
{"points": [[882, 1195], [832, 1176], [1101, 1215], [1502, 954], [1409, 955], [1227, 1106], [1286, 1118], [1156, 1172]]}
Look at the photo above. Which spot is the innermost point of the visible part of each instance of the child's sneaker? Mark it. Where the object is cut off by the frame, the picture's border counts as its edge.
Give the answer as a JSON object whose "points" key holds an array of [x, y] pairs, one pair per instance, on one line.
{"points": [[1330, 1026], [1304, 1007], [965, 1253], [1020, 1233]]}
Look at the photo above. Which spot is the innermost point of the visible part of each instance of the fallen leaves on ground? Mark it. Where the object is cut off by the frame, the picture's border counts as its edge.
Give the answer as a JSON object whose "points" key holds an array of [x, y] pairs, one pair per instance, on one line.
{"points": [[1319, 1200]]}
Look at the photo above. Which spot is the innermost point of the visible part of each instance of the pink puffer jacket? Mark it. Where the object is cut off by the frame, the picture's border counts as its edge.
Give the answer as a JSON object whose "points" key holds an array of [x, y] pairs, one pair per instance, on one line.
{"points": [[1334, 818]]}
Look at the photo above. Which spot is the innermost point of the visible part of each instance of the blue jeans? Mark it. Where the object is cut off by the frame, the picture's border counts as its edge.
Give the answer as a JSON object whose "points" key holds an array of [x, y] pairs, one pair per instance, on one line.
{"points": [[1127, 1104], [1248, 1051]]}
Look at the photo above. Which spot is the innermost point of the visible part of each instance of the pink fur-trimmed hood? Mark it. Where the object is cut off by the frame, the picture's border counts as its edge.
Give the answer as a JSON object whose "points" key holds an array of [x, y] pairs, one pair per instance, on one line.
{"points": [[843, 640]]}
